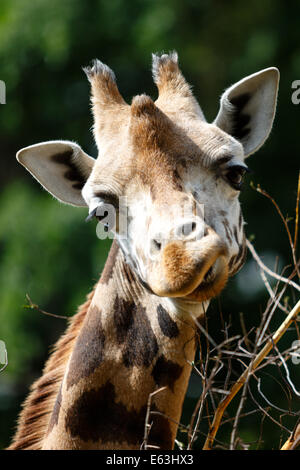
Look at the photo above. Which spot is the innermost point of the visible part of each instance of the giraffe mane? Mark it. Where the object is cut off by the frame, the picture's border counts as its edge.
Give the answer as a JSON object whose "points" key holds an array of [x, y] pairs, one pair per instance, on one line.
{"points": [[38, 406]]}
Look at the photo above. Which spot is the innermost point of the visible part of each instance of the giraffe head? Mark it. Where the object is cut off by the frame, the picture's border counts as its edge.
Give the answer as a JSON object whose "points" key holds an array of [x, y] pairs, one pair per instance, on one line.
{"points": [[172, 176]]}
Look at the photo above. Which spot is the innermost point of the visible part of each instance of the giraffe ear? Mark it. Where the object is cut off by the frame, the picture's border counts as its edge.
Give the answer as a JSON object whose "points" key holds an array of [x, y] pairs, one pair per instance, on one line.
{"points": [[248, 107], [61, 167]]}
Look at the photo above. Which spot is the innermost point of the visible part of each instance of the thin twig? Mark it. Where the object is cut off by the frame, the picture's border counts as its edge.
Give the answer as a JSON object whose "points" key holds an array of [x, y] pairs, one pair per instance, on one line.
{"points": [[266, 413], [260, 440], [271, 292], [262, 191], [287, 372], [207, 387], [242, 321], [272, 405], [148, 426], [243, 415], [204, 331], [266, 324], [36, 307], [297, 215], [294, 440], [269, 271], [241, 404], [238, 415]]}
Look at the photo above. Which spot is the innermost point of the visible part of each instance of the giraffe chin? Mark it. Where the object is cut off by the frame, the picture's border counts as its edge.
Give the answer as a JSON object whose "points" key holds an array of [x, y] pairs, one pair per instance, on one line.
{"points": [[205, 286], [210, 285]]}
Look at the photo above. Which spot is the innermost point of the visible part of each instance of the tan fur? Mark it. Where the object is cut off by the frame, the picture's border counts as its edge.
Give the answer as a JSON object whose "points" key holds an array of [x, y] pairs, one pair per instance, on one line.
{"points": [[175, 93]]}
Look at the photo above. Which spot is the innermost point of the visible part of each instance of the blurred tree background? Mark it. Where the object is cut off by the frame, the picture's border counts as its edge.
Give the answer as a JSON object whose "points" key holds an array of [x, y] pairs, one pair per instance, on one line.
{"points": [[47, 251]]}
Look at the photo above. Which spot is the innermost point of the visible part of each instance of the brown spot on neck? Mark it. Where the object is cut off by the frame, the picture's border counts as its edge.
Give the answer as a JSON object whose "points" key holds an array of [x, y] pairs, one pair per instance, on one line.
{"points": [[134, 333], [97, 416], [89, 348], [165, 372], [167, 325]]}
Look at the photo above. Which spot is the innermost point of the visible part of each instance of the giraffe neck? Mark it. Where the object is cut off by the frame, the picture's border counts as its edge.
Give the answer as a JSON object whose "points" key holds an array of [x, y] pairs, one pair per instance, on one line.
{"points": [[131, 344]]}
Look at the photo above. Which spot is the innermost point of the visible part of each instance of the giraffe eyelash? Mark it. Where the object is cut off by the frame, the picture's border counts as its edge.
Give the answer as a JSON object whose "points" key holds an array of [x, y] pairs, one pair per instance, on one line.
{"points": [[108, 198]]}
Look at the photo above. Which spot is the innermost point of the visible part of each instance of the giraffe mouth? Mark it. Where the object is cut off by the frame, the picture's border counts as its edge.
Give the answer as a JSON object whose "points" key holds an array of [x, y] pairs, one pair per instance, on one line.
{"points": [[209, 276], [192, 271], [212, 283]]}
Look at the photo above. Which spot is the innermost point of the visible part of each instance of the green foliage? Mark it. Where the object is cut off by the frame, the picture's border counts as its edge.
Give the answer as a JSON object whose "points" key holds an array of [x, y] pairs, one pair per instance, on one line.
{"points": [[46, 249], [44, 254]]}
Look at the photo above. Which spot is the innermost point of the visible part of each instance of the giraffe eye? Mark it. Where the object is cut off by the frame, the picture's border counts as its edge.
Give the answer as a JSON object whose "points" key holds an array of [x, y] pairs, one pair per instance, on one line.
{"points": [[235, 175]]}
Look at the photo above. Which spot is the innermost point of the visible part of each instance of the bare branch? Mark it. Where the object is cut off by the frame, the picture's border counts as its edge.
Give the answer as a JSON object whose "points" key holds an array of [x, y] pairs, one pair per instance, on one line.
{"points": [[288, 378], [148, 426], [297, 215], [284, 222], [253, 365], [36, 307], [294, 440]]}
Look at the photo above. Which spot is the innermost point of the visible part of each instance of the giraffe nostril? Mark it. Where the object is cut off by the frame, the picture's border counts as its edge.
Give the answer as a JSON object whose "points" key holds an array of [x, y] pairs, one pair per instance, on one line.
{"points": [[186, 229]]}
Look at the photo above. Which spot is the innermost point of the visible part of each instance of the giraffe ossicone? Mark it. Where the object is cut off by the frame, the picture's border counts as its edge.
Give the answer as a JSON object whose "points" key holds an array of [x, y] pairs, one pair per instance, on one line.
{"points": [[183, 238]]}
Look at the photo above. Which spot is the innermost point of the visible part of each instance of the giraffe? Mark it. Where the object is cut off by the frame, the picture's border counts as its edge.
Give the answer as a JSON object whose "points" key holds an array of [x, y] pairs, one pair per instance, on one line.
{"points": [[136, 333]]}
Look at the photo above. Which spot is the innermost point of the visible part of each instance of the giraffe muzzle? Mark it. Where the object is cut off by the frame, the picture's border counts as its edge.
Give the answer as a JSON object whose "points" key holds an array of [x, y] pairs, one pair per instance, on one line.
{"points": [[185, 268]]}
